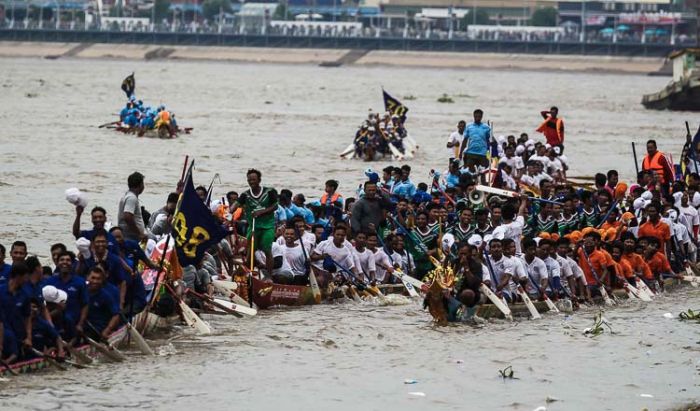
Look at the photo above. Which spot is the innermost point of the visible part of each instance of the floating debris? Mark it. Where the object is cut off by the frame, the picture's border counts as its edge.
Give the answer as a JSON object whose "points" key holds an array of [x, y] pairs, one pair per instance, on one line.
{"points": [[689, 315], [409, 97], [445, 99], [507, 373], [597, 329]]}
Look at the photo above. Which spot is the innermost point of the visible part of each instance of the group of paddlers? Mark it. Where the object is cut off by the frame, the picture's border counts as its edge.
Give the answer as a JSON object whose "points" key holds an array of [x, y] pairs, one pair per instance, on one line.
{"points": [[518, 230]]}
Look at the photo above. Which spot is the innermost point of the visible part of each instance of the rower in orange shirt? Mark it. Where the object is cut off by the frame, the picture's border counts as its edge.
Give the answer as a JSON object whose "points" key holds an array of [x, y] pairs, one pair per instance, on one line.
{"points": [[639, 266], [658, 263], [654, 227], [593, 263]]}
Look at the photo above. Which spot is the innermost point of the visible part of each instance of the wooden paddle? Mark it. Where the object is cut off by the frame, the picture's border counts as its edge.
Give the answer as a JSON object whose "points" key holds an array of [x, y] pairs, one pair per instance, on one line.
{"points": [[8, 368], [77, 354], [490, 294], [113, 352], [207, 299], [51, 360], [109, 354], [191, 319], [528, 303], [315, 289], [138, 338]]}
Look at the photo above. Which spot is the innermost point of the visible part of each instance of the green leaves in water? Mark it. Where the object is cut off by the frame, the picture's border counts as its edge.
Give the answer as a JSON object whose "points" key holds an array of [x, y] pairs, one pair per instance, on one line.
{"points": [[690, 315], [599, 324], [507, 373]]}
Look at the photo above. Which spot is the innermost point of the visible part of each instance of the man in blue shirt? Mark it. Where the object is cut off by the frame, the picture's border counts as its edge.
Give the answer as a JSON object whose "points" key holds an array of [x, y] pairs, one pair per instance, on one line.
{"points": [[112, 264], [103, 308], [15, 305], [476, 143], [99, 218], [404, 188], [75, 310], [4, 267]]}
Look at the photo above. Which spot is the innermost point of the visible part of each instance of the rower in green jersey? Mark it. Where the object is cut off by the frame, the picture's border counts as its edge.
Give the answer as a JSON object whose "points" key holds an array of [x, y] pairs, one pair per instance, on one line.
{"points": [[568, 221], [589, 215], [259, 205], [544, 221], [423, 239], [463, 229]]}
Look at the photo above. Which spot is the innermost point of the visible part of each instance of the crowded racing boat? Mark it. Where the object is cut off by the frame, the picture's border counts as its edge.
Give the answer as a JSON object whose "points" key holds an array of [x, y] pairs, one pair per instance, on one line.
{"points": [[473, 241], [143, 120], [383, 134]]}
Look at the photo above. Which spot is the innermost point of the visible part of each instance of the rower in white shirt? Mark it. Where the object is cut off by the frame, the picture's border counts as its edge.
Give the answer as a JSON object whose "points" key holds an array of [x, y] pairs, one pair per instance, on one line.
{"points": [[500, 271], [364, 258], [385, 258]]}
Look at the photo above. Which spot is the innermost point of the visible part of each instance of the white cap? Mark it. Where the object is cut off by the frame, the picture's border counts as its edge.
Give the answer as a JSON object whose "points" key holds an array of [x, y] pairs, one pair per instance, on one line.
{"points": [[475, 240], [530, 143], [52, 294], [547, 146], [639, 203], [696, 199], [647, 195], [501, 139], [557, 150], [519, 150], [76, 197], [447, 241], [83, 246], [672, 214]]}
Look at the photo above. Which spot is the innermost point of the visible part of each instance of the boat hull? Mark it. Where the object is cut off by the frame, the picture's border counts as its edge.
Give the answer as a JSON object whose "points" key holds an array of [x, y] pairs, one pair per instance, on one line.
{"points": [[681, 95], [267, 294]]}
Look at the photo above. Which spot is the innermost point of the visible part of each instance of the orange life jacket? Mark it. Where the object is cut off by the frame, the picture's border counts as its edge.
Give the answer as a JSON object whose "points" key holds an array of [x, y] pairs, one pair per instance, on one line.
{"points": [[334, 198], [165, 116], [655, 164], [553, 130]]}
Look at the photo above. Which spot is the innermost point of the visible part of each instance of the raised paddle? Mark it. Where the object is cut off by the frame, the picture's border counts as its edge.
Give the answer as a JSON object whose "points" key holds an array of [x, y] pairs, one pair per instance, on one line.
{"points": [[634, 153]]}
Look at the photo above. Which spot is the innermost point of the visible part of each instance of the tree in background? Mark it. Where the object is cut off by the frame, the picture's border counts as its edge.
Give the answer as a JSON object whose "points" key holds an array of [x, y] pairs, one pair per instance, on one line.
{"points": [[546, 16], [482, 18], [211, 8], [162, 9], [280, 12]]}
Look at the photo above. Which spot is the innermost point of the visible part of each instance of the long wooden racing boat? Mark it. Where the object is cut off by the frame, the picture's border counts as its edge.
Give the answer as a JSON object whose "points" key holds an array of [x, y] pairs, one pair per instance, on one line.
{"points": [[267, 294], [34, 364], [520, 310]]}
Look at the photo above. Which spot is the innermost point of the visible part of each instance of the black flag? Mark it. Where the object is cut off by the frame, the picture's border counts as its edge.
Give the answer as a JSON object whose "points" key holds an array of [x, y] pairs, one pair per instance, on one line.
{"points": [[128, 85], [194, 227], [394, 106]]}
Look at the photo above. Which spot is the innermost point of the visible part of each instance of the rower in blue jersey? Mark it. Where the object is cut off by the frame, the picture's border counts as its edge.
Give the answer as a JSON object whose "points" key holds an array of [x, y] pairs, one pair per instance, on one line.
{"points": [[14, 305], [4, 267], [111, 264], [103, 309], [75, 308]]}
